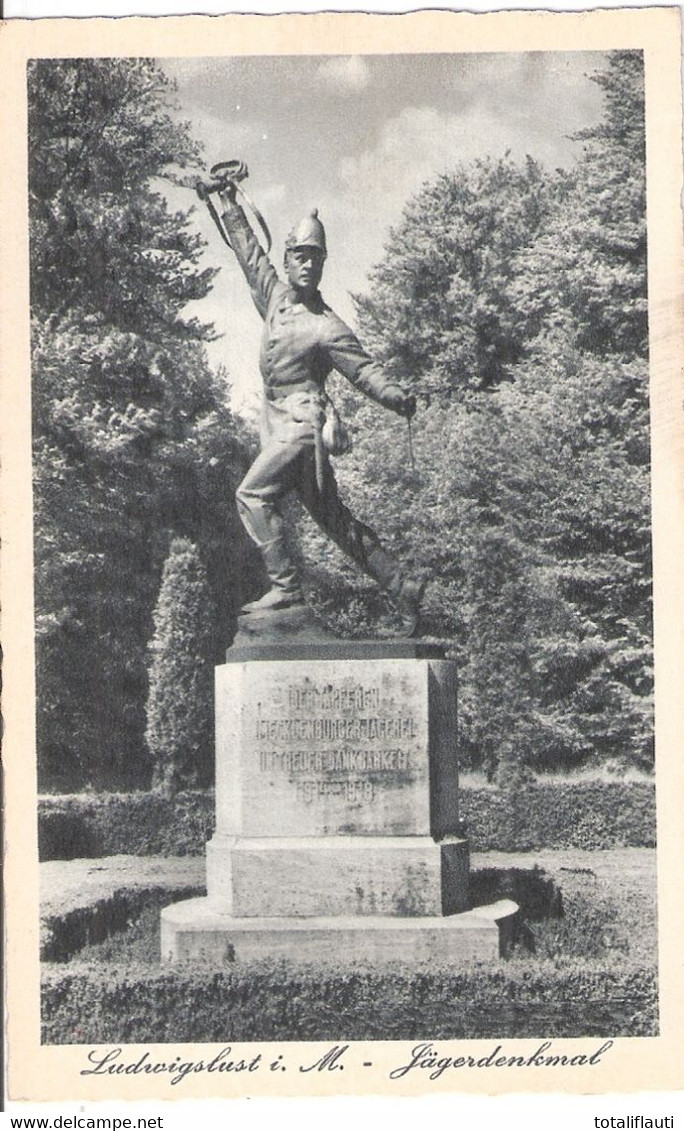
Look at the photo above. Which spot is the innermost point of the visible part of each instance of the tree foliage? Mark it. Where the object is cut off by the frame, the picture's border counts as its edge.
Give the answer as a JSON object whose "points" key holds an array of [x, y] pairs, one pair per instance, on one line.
{"points": [[102, 236], [515, 303], [588, 269], [439, 310], [133, 437]]}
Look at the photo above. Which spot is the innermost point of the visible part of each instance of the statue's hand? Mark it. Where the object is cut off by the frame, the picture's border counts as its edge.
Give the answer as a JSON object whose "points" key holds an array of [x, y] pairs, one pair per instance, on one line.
{"points": [[409, 407], [227, 194], [401, 402]]}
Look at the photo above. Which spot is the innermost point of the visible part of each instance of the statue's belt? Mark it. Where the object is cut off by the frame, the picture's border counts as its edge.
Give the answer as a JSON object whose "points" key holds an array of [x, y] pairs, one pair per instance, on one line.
{"points": [[280, 392]]}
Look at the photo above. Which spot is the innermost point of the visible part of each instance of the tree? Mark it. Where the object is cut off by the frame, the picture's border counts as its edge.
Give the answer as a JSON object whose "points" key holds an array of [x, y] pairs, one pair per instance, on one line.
{"points": [[102, 235], [438, 311], [583, 287], [515, 302], [588, 268], [133, 436], [179, 731], [553, 477]]}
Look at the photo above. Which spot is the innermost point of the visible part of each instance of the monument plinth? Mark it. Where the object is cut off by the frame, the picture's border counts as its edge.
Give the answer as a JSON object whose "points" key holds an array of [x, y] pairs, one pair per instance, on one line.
{"points": [[337, 828]]}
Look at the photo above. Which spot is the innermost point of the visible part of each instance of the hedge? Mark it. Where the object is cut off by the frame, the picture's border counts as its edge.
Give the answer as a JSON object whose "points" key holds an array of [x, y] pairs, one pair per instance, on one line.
{"points": [[573, 814], [62, 936], [191, 1004], [77, 826]]}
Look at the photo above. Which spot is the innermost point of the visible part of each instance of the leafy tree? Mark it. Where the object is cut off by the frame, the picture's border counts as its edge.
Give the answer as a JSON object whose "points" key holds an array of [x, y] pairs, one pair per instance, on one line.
{"points": [[102, 236], [132, 433], [498, 686], [530, 504], [179, 731], [587, 270], [438, 310], [583, 287], [556, 479]]}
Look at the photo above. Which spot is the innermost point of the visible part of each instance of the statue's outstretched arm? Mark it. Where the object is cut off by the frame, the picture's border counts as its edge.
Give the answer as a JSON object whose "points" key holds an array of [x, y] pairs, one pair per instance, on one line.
{"points": [[348, 356], [257, 268]]}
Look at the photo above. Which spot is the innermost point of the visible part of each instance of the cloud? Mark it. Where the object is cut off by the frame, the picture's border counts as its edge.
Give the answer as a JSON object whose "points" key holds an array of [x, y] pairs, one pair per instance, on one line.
{"points": [[273, 195], [411, 148], [421, 142], [345, 74]]}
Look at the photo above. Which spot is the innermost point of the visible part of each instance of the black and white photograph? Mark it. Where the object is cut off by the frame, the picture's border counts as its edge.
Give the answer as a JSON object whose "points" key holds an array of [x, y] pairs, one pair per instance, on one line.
{"points": [[342, 373]]}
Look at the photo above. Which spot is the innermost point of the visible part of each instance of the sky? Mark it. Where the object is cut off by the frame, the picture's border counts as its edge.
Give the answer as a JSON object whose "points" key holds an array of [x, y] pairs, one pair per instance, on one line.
{"points": [[356, 137]]}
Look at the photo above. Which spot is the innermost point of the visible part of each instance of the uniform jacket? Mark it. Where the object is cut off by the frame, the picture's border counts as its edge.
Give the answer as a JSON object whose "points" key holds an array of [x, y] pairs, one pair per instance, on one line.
{"points": [[302, 341]]}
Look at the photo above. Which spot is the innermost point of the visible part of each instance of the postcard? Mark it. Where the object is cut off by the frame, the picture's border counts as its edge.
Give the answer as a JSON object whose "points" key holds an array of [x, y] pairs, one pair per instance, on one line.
{"points": [[342, 520]]}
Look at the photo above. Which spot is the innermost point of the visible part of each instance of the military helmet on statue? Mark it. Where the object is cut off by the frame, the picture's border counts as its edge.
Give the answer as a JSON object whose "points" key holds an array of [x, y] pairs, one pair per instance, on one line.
{"points": [[309, 232]]}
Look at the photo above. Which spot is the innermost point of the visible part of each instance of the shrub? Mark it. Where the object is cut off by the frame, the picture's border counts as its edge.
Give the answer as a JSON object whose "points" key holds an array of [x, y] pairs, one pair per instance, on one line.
{"points": [[138, 824], [573, 814]]}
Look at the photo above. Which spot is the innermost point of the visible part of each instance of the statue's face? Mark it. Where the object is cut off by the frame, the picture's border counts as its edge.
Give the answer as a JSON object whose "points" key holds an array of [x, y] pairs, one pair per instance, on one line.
{"points": [[304, 268]]}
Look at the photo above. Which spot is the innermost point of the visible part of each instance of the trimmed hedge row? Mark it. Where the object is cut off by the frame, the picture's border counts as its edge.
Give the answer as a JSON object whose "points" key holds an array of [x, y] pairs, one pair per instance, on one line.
{"points": [[579, 814], [188, 1004], [77, 826], [62, 936], [573, 814]]}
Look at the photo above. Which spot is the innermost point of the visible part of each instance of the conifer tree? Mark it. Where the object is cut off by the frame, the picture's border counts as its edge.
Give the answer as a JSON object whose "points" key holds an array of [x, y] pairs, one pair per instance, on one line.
{"points": [[179, 731]]}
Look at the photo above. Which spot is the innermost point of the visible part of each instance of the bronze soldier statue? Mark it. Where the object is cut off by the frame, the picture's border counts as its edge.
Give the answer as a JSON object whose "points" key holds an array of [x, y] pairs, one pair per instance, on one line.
{"points": [[303, 340]]}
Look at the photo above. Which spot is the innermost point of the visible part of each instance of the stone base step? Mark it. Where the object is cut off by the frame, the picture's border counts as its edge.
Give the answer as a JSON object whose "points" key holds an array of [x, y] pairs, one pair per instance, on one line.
{"points": [[194, 929], [331, 876]]}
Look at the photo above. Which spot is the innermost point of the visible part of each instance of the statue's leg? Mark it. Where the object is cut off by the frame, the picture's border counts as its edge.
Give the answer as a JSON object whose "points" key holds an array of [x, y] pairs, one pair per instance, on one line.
{"points": [[258, 497], [354, 537], [358, 540]]}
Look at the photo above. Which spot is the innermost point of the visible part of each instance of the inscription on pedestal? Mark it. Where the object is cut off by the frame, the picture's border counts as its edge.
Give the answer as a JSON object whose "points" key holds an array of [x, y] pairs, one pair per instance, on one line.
{"points": [[338, 751]]}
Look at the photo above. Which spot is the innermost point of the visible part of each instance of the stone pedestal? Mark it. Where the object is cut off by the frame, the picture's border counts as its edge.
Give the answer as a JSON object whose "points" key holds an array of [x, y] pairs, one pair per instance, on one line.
{"points": [[337, 829]]}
